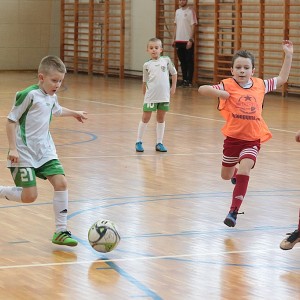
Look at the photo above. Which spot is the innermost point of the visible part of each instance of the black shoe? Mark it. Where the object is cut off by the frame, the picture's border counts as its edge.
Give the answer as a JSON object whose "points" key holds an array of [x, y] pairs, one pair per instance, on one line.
{"points": [[179, 83], [230, 220], [185, 83], [289, 243]]}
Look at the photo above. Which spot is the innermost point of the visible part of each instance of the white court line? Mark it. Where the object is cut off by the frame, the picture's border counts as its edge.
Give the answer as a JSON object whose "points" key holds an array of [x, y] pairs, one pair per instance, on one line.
{"points": [[170, 113], [144, 258]]}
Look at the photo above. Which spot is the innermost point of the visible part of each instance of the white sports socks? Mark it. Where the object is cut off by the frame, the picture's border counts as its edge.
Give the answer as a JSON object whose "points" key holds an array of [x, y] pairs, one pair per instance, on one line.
{"points": [[11, 193], [60, 206], [141, 130], [160, 131]]}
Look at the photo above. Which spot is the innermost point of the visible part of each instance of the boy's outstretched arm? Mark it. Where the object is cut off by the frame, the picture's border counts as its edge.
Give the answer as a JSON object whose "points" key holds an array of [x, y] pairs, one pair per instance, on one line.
{"points": [[208, 90], [287, 63], [78, 115]]}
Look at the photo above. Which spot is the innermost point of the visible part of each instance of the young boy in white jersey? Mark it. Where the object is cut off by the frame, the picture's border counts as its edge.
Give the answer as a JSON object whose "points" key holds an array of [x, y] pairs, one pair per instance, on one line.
{"points": [[156, 89], [32, 151]]}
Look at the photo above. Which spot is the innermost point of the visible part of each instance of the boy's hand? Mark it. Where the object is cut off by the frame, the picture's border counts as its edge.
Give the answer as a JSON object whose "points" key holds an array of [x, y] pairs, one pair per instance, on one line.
{"points": [[173, 90], [80, 116], [13, 155], [287, 47]]}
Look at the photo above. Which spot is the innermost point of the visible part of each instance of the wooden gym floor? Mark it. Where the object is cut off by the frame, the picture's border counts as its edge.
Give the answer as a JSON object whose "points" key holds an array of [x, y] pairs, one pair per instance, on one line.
{"points": [[169, 206]]}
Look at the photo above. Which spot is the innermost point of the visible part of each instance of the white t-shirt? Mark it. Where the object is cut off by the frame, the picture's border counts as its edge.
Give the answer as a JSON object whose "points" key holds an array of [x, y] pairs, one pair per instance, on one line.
{"points": [[184, 20], [157, 79], [32, 112]]}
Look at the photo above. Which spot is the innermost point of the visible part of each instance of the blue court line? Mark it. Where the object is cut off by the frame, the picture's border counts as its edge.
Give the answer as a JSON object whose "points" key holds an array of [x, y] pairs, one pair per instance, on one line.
{"points": [[91, 136], [185, 233], [150, 293], [147, 292], [163, 197], [138, 284], [159, 198], [146, 199]]}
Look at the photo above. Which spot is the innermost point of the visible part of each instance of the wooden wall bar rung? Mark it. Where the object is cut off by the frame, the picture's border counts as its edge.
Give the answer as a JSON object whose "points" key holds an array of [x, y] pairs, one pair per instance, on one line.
{"points": [[95, 31], [88, 29], [224, 27]]}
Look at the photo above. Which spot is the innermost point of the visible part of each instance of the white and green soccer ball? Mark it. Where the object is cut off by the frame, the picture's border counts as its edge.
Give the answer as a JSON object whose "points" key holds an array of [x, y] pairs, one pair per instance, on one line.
{"points": [[103, 236]]}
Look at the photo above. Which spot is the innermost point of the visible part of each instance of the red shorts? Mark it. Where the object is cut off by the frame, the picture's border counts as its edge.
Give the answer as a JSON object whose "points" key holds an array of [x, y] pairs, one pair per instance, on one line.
{"points": [[235, 150]]}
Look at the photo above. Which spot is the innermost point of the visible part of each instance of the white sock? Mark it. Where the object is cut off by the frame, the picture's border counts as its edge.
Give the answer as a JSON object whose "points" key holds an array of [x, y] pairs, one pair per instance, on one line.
{"points": [[160, 131], [11, 193], [60, 206], [141, 130]]}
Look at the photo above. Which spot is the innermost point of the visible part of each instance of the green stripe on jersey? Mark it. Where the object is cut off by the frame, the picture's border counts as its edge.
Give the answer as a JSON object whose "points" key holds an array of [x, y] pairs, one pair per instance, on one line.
{"points": [[22, 123], [22, 94]]}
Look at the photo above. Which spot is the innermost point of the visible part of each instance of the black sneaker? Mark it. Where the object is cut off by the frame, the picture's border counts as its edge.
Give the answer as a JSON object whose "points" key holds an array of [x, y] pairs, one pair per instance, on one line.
{"points": [[230, 220], [233, 180], [289, 243], [185, 83], [179, 83]]}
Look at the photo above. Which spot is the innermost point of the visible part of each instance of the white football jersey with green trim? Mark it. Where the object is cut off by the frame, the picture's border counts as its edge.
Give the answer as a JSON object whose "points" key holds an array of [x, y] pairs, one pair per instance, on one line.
{"points": [[32, 112], [156, 75]]}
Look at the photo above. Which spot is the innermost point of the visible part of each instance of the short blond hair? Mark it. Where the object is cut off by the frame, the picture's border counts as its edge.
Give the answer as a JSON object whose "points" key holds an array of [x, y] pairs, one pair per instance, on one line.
{"points": [[155, 40], [52, 63]]}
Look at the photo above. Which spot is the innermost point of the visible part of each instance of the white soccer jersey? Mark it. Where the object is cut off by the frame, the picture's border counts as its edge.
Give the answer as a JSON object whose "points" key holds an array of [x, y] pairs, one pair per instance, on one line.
{"points": [[184, 20], [32, 112], [157, 79]]}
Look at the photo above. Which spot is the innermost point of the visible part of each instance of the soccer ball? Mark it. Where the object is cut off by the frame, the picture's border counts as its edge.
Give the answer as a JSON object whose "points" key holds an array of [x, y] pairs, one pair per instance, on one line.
{"points": [[104, 236]]}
